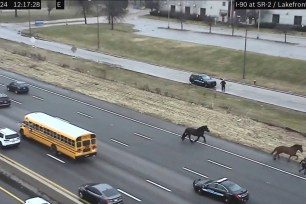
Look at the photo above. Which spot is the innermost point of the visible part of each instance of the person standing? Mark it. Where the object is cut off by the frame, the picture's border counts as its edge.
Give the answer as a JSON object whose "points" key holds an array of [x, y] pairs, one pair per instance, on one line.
{"points": [[303, 165], [223, 85]]}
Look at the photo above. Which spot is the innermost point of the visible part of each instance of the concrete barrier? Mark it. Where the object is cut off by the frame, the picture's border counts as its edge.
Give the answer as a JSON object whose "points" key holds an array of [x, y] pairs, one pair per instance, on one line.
{"points": [[38, 184]]}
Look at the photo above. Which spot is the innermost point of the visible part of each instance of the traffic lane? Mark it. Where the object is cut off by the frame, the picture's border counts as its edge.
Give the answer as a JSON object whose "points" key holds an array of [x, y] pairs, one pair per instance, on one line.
{"points": [[5, 198], [73, 174], [138, 116], [11, 192], [82, 123]]}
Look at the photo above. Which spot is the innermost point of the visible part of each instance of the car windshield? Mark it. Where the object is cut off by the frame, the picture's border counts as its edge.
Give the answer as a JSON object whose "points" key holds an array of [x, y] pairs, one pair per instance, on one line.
{"points": [[22, 84], [11, 136], [110, 192], [232, 186], [206, 77]]}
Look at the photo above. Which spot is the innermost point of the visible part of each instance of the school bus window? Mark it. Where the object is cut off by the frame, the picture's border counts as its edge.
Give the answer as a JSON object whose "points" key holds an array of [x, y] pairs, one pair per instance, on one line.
{"points": [[79, 144], [93, 141], [73, 144]]}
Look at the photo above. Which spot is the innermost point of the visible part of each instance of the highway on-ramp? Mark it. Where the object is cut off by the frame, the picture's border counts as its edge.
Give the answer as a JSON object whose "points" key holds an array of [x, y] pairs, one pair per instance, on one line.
{"points": [[143, 156]]}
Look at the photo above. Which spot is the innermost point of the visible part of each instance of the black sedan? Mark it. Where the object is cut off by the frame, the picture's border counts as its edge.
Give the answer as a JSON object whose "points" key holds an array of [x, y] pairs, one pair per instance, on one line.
{"points": [[222, 189], [202, 80], [18, 87], [100, 193]]}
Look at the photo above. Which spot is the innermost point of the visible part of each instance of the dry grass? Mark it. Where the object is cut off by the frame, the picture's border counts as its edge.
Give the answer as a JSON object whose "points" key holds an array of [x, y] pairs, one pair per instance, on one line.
{"points": [[223, 124]]}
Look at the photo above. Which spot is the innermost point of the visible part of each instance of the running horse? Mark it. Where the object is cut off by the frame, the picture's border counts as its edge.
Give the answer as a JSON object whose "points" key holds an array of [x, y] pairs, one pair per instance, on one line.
{"points": [[291, 151], [196, 132]]}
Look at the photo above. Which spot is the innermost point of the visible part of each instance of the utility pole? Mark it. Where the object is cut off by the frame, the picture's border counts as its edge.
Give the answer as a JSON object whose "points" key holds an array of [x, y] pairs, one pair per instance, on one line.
{"points": [[30, 22], [244, 57]]}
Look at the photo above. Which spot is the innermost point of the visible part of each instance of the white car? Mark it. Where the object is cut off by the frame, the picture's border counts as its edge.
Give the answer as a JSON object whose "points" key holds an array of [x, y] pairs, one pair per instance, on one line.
{"points": [[36, 200], [9, 137]]}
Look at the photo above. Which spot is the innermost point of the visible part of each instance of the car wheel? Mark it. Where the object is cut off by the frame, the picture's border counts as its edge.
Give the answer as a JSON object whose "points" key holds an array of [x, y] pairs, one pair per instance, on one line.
{"points": [[81, 194], [53, 149], [227, 200]]}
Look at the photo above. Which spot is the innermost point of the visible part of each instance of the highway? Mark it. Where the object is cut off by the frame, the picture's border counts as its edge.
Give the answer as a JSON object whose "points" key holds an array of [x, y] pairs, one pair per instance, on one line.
{"points": [[143, 156]]}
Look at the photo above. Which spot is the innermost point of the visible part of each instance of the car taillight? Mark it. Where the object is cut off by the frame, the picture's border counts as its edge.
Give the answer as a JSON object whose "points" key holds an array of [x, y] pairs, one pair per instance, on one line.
{"points": [[94, 147], [79, 150], [237, 196]]}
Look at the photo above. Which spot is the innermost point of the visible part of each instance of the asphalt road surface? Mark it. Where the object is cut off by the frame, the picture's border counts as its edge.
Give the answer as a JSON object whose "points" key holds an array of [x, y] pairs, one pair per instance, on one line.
{"points": [[143, 156]]}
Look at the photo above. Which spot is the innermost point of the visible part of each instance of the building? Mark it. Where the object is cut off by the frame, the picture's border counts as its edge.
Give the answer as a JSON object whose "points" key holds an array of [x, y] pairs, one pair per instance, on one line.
{"points": [[219, 9], [288, 17]]}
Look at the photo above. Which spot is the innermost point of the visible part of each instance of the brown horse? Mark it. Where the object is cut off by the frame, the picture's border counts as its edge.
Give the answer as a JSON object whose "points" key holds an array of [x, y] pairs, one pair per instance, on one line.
{"points": [[291, 151]]}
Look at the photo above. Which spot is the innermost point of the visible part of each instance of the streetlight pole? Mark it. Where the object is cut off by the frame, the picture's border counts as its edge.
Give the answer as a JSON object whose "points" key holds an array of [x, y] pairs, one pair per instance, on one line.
{"points": [[98, 27], [168, 13], [258, 24], [30, 22], [244, 57]]}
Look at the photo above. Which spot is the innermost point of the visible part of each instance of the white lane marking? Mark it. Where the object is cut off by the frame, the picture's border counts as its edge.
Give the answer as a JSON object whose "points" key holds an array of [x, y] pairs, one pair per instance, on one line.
{"points": [[219, 164], [119, 142], [2, 85], [53, 157], [254, 161], [160, 186], [140, 135], [157, 128], [129, 195], [194, 172], [83, 114], [16, 101], [38, 98]]}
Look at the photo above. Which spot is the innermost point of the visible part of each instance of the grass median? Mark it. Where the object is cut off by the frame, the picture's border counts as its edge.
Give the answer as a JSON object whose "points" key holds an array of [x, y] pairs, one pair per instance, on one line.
{"points": [[272, 72]]}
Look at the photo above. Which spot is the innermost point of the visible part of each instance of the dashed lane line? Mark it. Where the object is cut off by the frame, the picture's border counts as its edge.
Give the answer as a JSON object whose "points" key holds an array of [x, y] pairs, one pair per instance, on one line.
{"points": [[36, 97], [16, 102], [216, 163], [129, 195], [57, 159], [118, 142], [160, 186], [140, 135], [83, 114], [194, 172]]}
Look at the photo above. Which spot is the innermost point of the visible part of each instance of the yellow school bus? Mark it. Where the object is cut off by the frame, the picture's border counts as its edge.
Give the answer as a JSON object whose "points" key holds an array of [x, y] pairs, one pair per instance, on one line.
{"points": [[58, 134]]}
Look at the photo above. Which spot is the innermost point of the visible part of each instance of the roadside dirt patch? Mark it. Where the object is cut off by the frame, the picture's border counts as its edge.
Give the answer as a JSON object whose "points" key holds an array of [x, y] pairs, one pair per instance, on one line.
{"points": [[222, 124]]}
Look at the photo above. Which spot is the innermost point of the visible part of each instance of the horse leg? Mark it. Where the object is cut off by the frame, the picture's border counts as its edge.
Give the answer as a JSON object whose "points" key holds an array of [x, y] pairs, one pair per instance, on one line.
{"points": [[297, 157], [183, 135], [190, 139], [204, 139], [274, 156], [289, 157], [197, 139]]}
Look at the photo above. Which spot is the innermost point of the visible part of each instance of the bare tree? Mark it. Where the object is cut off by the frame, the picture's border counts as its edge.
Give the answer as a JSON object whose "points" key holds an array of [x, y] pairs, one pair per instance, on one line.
{"points": [[115, 10], [50, 6], [284, 28], [85, 4]]}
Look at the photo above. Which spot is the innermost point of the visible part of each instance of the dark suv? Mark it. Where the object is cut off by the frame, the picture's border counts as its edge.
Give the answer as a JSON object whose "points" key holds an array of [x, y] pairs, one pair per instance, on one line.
{"points": [[4, 100], [202, 80], [18, 87]]}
